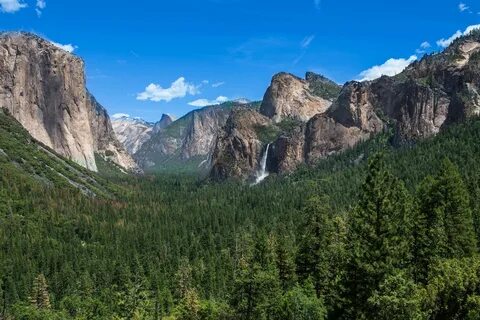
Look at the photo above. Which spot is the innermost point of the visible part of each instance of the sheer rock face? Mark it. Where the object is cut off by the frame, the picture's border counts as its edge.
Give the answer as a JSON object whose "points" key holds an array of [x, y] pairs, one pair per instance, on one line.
{"points": [[164, 122], [290, 97], [43, 87], [238, 148], [288, 151], [201, 135], [132, 133], [418, 103], [192, 136], [105, 141]]}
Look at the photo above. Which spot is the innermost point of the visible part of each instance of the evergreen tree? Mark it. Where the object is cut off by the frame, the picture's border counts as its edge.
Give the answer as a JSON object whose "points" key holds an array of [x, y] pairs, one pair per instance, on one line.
{"points": [[430, 238], [444, 224], [39, 296], [321, 250], [398, 298], [379, 237], [285, 258], [455, 204], [189, 307], [257, 287]]}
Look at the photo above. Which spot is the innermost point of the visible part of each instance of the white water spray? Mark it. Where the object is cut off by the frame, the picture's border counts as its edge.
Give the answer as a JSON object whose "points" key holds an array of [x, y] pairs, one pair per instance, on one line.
{"points": [[262, 173]]}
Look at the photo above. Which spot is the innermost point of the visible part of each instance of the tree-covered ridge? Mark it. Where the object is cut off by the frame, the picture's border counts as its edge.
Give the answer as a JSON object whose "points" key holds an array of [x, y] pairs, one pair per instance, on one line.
{"points": [[394, 237], [22, 157]]}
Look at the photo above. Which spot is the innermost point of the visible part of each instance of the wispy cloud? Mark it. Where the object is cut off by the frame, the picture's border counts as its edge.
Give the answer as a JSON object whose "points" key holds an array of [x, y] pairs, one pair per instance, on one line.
{"points": [[390, 68], [67, 47], [178, 89], [218, 84], [317, 3], [304, 45], [307, 41], [463, 7], [423, 47], [11, 6], [206, 102], [446, 42], [41, 4]]}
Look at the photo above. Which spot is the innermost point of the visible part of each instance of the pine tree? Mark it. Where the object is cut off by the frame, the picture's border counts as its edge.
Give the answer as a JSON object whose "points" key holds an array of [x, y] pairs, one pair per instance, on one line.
{"points": [[444, 224], [285, 261], [379, 235], [39, 296], [257, 286], [321, 251], [430, 239], [455, 203]]}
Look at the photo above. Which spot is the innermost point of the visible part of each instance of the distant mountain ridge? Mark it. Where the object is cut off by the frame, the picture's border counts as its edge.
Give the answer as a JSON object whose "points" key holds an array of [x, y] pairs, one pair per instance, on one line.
{"points": [[188, 142], [427, 96]]}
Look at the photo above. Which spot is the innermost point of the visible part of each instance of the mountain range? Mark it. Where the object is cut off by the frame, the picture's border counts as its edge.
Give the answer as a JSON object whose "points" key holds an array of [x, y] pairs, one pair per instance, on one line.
{"points": [[321, 201], [302, 120]]}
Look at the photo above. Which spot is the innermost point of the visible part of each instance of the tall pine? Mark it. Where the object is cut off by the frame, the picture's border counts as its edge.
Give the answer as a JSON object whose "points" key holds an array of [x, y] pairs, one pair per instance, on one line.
{"points": [[321, 251], [444, 225], [379, 238]]}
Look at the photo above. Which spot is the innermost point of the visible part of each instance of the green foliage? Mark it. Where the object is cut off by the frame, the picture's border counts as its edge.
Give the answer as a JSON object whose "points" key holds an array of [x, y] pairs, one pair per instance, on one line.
{"points": [[288, 125], [323, 87], [172, 247], [267, 134], [444, 224], [397, 298], [40, 297], [379, 236], [450, 288], [321, 257], [301, 304]]}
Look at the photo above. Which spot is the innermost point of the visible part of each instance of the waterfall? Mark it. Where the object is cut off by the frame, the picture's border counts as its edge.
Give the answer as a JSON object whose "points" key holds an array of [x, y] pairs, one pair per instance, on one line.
{"points": [[262, 173]]}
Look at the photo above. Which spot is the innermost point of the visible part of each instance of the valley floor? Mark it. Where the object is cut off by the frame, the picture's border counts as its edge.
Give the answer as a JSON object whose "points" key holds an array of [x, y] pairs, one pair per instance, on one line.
{"points": [[363, 235]]}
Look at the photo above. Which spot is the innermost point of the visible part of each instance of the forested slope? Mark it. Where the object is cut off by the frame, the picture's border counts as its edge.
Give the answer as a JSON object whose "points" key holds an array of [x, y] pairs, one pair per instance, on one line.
{"points": [[347, 239]]}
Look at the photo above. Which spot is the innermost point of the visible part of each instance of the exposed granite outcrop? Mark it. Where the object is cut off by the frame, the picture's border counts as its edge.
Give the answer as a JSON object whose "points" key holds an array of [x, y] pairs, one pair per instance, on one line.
{"points": [[43, 87]]}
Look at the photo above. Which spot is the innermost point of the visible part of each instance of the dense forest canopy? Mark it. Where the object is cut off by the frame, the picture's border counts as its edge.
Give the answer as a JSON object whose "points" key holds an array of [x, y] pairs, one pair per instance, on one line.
{"points": [[362, 235]]}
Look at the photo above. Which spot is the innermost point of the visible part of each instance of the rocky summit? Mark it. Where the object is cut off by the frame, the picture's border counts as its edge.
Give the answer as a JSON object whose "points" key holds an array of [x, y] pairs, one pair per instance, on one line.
{"points": [[307, 123], [189, 141], [291, 97], [132, 132], [43, 87]]}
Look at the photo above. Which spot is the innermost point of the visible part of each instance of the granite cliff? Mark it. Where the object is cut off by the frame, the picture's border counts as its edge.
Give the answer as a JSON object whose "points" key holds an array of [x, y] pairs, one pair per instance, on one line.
{"points": [[428, 95], [43, 87]]}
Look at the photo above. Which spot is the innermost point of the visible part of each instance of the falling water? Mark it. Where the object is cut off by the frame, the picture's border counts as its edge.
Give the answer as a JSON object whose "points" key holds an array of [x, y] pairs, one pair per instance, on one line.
{"points": [[262, 173]]}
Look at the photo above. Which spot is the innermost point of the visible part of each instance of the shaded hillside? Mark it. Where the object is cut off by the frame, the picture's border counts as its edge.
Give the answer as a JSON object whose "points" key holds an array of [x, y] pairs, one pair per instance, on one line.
{"points": [[24, 158]]}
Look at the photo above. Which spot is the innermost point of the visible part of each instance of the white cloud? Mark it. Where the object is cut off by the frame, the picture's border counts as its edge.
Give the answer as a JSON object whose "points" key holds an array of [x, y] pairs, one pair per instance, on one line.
{"points": [[12, 6], [425, 45], [463, 7], [307, 41], [41, 4], [205, 102], [120, 115], [390, 68], [67, 47], [178, 89], [446, 42], [218, 84]]}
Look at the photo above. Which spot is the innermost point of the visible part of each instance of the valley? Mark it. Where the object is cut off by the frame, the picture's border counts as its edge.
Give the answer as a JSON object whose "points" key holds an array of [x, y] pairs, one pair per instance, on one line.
{"points": [[321, 201]]}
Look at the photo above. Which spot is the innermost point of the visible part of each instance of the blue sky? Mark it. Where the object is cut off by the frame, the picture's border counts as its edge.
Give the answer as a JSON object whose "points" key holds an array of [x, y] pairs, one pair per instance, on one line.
{"points": [[195, 51]]}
